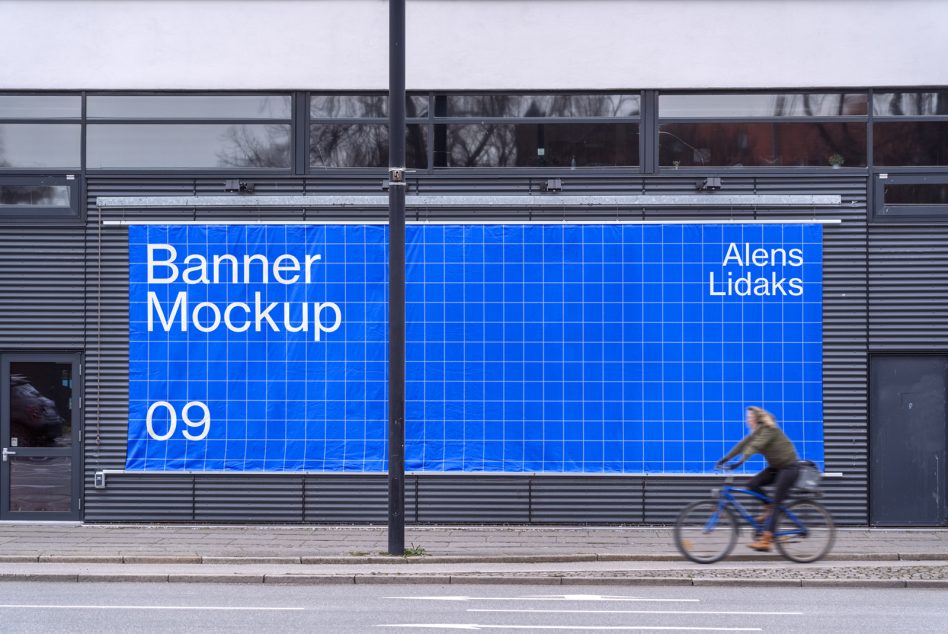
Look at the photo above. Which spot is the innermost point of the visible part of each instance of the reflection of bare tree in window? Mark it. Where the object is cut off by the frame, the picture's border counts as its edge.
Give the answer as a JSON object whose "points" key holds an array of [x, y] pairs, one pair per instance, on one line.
{"points": [[416, 149], [349, 106], [482, 145], [352, 145], [911, 103], [543, 106], [362, 145], [362, 106], [256, 146]]}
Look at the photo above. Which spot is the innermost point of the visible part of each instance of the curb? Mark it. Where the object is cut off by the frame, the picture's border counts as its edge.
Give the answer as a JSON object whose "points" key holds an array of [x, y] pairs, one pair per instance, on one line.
{"points": [[425, 559], [454, 579]]}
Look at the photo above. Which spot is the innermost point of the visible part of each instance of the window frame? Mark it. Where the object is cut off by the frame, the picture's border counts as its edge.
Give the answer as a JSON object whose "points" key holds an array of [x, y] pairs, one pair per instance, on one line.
{"points": [[640, 121], [307, 121], [292, 136], [30, 213], [430, 122], [902, 213], [865, 120]]}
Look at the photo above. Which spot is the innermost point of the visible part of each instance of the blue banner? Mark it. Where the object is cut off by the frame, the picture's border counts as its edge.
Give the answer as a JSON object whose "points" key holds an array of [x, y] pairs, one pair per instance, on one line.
{"points": [[554, 348]]}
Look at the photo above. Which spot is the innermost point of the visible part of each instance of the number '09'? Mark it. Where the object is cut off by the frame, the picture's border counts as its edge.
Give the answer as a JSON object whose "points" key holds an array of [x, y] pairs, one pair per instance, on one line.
{"points": [[204, 423]]}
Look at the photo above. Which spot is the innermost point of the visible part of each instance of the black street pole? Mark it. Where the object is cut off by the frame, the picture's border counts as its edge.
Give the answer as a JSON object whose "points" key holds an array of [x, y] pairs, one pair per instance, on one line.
{"points": [[396, 278]]}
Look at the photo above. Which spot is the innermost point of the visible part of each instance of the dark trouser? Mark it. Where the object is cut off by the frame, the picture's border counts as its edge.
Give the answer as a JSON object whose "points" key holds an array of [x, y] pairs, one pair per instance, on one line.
{"points": [[784, 479]]}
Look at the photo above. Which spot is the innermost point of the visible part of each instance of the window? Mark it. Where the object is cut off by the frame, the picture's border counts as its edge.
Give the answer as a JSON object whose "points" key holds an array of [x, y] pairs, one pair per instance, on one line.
{"points": [[188, 132], [352, 131], [911, 197], [763, 130], [188, 107], [40, 106], [35, 197], [40, 132], [533, 130], [910, 128]]}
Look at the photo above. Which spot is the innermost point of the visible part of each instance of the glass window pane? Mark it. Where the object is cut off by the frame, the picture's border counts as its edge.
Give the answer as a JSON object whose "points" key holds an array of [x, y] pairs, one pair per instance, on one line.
{"points": [[28, 145], [762, 144], [416, 106], [543, 105], [362, 106], [363, 145], [910, 103], [188, 146], [910, 143], [534, 145], [767, 105], [40, 106], [34, 196], [916, 194], [40, 404], [40, 484], [348, 106], [188, 107]]}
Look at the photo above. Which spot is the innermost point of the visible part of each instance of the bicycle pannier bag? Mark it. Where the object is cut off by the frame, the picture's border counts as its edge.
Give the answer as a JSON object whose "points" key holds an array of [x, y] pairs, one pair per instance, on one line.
{"points": [[809, 478]]}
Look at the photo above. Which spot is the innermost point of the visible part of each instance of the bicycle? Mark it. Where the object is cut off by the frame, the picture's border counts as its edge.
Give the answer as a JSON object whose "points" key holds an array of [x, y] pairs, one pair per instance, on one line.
{"points": [[707, 530]]}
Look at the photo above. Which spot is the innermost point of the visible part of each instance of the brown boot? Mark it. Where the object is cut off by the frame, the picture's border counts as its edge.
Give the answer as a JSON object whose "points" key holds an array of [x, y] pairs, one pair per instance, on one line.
{"points": [[763, 542], [764, 513]]}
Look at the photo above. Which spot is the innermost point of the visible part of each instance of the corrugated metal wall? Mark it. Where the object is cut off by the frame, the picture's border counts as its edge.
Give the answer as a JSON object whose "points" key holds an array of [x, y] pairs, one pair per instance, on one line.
{"points": [[103, 334], [908, 296], [42, 287]]}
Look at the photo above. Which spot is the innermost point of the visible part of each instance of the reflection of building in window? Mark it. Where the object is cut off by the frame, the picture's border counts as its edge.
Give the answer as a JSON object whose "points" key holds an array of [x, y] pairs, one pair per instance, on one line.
{"points": [[761, 144]]}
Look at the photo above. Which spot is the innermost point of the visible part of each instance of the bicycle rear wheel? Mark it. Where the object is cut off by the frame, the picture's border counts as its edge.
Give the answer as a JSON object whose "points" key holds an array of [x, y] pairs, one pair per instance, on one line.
{"points": [[704, 532], [804, 531]]}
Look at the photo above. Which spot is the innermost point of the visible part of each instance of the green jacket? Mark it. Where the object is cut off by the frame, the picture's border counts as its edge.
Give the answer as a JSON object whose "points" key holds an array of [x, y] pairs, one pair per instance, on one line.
{"points": [[769, 441]]}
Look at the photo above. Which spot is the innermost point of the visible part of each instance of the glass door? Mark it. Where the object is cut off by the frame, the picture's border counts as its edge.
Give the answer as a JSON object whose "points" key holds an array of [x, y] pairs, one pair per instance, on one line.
{"points": [[39, 437]]}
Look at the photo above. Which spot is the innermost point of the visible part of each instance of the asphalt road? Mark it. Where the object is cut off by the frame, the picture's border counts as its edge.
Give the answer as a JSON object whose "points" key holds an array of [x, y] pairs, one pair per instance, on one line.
{"points": [[121, 607]]}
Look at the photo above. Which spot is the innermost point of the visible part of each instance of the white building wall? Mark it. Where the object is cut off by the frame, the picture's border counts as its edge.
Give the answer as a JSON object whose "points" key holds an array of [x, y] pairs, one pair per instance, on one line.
{"points": [[472, 44]]}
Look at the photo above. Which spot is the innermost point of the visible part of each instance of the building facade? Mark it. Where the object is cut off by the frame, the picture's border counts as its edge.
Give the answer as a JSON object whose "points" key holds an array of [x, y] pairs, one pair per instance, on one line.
{"points": [[117, 119]]}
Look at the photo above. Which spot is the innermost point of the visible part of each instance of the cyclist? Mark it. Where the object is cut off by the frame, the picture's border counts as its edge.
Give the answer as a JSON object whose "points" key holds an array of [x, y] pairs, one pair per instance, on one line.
{"points": [[782, 466]]}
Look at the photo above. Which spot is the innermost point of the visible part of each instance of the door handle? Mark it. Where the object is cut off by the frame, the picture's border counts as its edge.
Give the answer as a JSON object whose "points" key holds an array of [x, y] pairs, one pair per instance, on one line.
{"points": [[7, 452]]}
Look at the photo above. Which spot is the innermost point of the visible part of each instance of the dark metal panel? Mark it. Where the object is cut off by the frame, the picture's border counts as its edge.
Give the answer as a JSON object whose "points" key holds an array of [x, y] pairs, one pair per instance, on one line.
{"points": [[665, 497], [845, 372], [42, 286], [847, 499], [908, 287], [587, 500], [141, 498], [258, 498], [351, 498], [473, 499], [909, 440]]}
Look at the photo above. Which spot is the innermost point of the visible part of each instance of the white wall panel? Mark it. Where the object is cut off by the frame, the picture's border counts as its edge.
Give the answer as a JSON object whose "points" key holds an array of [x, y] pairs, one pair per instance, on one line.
{"points": [[481, 44]]}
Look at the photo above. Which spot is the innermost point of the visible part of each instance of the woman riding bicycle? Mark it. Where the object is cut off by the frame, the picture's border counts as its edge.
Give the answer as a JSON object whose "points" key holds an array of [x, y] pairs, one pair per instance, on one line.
{"points": [[782, 465]]}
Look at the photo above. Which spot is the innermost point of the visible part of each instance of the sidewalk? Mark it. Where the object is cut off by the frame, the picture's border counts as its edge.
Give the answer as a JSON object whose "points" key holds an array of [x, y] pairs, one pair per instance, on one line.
{"points": [[452, 554]]}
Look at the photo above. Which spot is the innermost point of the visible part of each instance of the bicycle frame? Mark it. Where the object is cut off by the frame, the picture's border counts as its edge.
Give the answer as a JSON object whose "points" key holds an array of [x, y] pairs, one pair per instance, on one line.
{"points": [[727, 498]]}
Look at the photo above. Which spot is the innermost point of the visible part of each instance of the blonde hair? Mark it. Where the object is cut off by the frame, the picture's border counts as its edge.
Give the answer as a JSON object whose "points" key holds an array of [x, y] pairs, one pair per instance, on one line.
{"points": [[763, 416]]}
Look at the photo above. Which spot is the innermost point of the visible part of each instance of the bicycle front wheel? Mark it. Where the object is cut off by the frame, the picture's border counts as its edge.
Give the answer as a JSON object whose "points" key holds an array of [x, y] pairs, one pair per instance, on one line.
{"points": [[804, 531], [705, 532]]}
